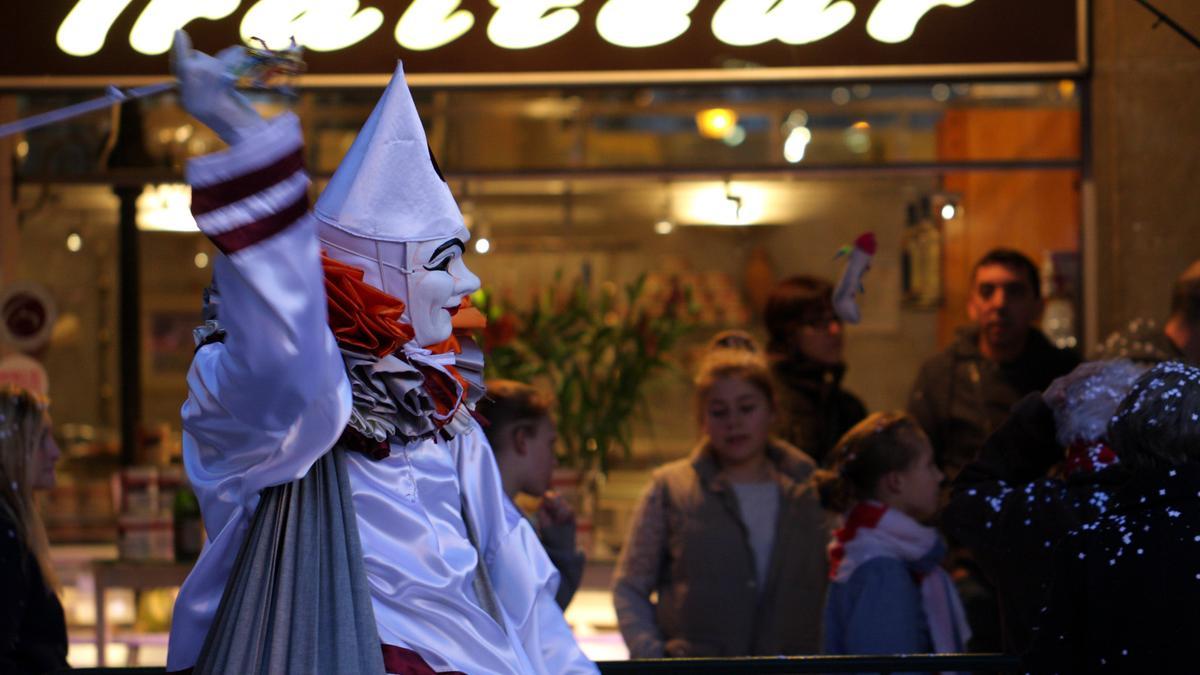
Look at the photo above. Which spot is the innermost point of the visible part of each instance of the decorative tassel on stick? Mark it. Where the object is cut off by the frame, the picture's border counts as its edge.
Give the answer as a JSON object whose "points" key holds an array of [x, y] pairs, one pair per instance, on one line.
{"points": [[259, 68]]}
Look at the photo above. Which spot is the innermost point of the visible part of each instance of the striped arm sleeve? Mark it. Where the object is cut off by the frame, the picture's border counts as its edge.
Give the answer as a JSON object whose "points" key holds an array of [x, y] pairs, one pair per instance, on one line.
{"points": [[252, 191]]}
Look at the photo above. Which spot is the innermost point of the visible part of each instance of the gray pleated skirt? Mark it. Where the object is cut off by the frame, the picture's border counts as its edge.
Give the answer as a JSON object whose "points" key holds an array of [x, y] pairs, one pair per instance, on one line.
{"points": [[297, 600]]}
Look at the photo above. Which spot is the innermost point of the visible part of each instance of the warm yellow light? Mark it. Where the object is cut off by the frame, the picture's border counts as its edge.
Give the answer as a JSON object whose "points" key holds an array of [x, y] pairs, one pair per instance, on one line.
{"points": [[1066, 88], [638, 23], [154, 30], [320, 25], [949, 211], [716, 123], [524, 24], [74, 242], [429, 24], [22, 149], [83, 30], [201, 260], [664, 226], [166, 208], [894, 21], [721, 204], [862, 125]]}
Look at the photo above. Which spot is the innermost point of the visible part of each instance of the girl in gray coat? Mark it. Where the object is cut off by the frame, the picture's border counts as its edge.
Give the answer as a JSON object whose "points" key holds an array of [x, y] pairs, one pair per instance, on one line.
{"points": [[730, 539]]}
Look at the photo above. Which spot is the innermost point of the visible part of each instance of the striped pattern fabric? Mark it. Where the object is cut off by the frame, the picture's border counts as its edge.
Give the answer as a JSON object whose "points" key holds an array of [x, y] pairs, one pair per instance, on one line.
{"points": [[240, 200]]}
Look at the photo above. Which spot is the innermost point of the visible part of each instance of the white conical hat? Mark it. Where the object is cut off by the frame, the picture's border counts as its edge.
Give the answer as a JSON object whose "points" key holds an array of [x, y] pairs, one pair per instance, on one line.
{"points": [[388, 188]]}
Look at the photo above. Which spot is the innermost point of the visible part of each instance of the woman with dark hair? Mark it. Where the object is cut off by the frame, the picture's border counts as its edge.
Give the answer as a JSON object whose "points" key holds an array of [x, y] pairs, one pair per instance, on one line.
{"points": [[805, 351], [33, 632]]}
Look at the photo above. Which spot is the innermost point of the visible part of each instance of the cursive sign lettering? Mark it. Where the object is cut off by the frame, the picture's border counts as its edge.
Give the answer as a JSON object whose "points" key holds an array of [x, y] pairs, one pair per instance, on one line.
{"points": [[894, 21], [638, 23], [744, 23], [155, 28], [330, 25], [321, 25], [83, 31], [429, 24], [524, 24]]}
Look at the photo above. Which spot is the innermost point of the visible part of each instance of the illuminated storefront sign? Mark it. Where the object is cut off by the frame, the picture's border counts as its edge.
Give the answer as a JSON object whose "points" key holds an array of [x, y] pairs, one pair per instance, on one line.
{"points": [[561, 40]]}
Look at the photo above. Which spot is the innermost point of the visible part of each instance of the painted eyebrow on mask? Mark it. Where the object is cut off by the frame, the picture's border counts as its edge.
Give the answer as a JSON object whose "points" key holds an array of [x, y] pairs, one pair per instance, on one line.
{"points": [[447, 244]]}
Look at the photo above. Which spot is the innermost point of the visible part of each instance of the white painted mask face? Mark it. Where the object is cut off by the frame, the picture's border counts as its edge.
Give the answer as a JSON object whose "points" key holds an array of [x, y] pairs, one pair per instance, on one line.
{"points": [[437, 283]]}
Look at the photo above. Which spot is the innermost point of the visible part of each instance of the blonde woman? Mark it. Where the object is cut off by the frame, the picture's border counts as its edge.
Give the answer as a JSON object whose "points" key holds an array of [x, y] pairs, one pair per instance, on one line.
{"points": [[33, 633], [725, 555]]}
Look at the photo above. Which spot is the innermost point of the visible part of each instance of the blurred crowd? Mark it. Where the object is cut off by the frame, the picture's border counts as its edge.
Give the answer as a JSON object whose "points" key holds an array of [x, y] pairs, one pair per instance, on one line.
{"points": [[1026, 502]]}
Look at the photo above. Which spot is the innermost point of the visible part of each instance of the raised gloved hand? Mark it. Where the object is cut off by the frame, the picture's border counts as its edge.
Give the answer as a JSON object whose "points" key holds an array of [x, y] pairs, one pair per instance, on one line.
{"points": [[207, 90]]}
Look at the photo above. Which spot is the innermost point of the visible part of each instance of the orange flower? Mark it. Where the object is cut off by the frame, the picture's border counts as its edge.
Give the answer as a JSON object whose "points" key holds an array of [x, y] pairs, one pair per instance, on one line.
{"points": [[500, 332]]}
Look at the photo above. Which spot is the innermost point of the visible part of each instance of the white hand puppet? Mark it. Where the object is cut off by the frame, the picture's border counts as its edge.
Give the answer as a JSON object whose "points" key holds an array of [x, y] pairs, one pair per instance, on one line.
{"points": [[850, 285]]}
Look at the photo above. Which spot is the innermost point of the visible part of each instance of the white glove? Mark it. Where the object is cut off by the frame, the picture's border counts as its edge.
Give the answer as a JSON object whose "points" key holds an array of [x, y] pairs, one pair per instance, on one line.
{"points": [[207, 90]]}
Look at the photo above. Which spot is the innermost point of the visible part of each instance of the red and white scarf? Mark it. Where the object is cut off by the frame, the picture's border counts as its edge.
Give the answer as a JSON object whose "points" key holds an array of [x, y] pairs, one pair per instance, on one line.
{"points": [[872, 530]]}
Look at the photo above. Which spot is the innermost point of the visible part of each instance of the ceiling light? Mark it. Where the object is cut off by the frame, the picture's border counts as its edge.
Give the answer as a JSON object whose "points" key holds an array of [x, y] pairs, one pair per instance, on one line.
{"points": [[716, 123]]}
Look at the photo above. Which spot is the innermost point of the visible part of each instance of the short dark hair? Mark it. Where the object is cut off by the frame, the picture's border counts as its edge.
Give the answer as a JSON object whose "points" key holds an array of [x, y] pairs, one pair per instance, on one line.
{"points": [[1185, 299], [790, 302], [1014, 260], [509, 403], [1157, 424]]}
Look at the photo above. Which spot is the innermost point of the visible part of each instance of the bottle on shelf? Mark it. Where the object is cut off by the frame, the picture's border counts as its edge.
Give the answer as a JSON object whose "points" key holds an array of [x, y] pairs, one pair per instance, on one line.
{"points": [[1058, 316], [921, 261], [189, 529]]}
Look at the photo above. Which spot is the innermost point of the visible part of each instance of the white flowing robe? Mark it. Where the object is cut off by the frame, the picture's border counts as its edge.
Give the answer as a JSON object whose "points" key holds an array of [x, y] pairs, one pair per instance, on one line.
{"points": [[269, 400]]}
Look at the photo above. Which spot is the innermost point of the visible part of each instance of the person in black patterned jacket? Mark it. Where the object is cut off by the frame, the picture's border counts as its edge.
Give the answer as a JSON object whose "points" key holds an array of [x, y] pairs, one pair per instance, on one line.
{"points": [[1123, 589]]}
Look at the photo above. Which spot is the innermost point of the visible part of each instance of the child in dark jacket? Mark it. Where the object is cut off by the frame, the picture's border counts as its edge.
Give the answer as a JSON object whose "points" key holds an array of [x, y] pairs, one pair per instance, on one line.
{"points": [[888, 593]]}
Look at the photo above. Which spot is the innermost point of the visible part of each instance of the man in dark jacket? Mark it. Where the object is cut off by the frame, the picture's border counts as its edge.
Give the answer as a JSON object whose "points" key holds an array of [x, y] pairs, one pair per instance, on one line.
{"points": [[963, 394]]}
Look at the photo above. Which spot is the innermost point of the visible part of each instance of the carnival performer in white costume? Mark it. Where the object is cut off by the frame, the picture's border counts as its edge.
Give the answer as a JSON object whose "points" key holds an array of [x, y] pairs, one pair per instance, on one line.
{"points": [[334, 334]]}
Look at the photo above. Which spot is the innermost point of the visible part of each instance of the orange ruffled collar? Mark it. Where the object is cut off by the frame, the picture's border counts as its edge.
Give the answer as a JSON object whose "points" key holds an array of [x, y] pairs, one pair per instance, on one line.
{"points": [[364, 319]]}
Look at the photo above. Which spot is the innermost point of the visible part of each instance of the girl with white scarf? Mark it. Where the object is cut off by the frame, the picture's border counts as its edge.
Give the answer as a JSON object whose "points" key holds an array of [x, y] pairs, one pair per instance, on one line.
{"points": [[888, 593]]}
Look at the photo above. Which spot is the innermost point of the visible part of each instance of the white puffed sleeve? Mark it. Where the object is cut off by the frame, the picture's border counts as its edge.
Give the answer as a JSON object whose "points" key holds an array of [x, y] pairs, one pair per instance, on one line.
{"points": [[522, 576], [269, 400]]}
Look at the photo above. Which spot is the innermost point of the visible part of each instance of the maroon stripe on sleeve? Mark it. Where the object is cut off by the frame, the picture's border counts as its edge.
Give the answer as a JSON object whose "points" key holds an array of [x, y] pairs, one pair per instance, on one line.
{"points": [[258, 230], [212, 197]]}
